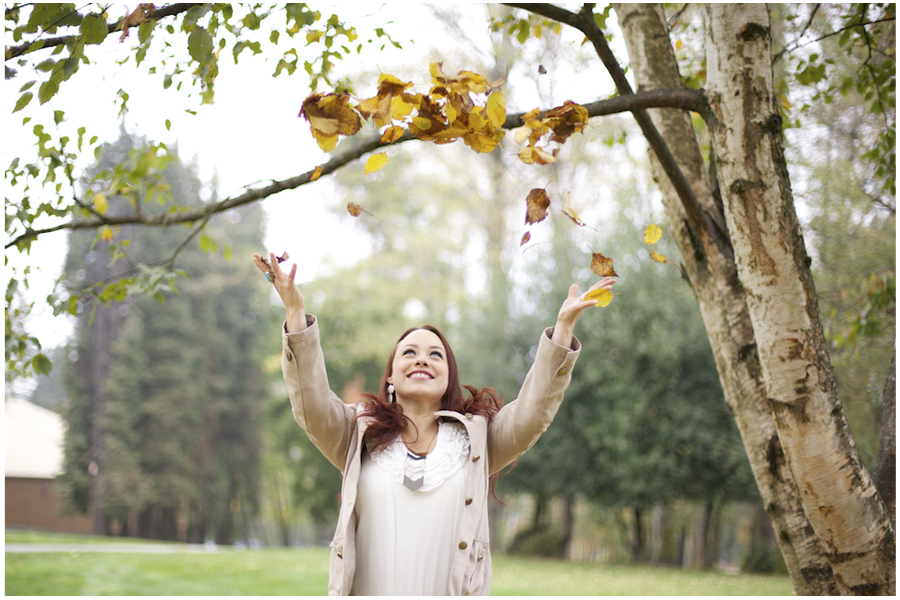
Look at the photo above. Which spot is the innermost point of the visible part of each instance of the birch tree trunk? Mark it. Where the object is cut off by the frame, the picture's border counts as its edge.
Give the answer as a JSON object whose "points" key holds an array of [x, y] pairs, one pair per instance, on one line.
{"points": [[836, 490], [709, 264]]}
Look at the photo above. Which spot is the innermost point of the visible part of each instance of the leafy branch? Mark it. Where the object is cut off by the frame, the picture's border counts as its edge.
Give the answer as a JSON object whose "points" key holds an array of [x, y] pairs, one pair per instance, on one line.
{"points": [[34, 46]]}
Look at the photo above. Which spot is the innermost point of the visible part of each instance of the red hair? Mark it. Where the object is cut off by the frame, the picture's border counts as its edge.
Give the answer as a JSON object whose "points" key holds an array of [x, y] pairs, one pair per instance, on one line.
{"points": [[388, 419]]}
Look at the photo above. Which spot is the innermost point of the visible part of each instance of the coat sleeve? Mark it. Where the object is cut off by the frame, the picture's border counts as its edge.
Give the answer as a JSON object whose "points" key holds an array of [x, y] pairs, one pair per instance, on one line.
{"points": [[327, 420], [519, 424]]}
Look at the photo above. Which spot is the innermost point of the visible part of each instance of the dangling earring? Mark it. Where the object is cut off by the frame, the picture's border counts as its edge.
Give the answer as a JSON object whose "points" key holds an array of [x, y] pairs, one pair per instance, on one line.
{"points": [[390, 391]]}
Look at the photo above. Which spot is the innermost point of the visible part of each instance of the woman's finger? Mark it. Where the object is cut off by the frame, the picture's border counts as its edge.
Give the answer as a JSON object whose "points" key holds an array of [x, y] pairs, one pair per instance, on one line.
{"points": [[258, 261]]}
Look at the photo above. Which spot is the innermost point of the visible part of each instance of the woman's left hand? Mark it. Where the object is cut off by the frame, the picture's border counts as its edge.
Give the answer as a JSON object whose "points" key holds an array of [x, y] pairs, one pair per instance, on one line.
{"points": [[572, 308]]}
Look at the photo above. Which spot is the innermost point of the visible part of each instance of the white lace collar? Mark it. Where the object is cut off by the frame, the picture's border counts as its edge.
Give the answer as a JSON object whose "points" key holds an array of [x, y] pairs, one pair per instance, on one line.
{"points": [[428, 472]]}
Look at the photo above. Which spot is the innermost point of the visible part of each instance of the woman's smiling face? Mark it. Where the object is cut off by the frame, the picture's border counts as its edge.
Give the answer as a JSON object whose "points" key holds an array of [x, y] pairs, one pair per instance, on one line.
{"points": [[420, 370]]}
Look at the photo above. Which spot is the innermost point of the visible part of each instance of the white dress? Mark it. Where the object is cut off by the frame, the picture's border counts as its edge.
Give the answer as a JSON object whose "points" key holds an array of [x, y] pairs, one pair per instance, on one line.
{"points": [[405, 539]]}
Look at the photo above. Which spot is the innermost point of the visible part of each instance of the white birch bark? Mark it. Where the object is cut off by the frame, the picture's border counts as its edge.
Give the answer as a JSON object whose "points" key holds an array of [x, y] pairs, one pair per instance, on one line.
{"points": [[713, 277], [837, 493]]}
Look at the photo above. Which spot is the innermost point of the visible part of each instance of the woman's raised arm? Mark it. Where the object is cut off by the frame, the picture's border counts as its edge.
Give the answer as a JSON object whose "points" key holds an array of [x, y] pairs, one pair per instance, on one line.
{"points": [[572, 308], [290, 294]]}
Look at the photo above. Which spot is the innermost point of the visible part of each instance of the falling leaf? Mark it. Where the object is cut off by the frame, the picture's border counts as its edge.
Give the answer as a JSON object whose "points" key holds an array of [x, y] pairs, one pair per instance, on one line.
{"points": [[101, 204], [356, 210], [566, 120], [316, 174], [329, 116], [525, 238], [530, 155], [496, 109], [542, 70], [106, 233], [652, 234], [538, 201], [570, 212], [375, 162], [137, 16], [279, 259], [392, 134], [602, 266], [678, 44], [601, 297], [658, 257]]}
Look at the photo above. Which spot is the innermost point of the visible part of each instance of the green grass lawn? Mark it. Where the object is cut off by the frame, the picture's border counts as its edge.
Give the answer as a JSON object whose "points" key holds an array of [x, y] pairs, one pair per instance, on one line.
{"points": [[304, 572]]}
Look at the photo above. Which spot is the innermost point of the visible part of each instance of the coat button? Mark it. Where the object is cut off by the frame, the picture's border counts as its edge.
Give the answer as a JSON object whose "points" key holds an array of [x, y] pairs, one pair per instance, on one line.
{"points": [[468, 501], [463, 545], [562, 372], [476, 458], [289, 356], [469, 415], [480, 556], [340, 554]]}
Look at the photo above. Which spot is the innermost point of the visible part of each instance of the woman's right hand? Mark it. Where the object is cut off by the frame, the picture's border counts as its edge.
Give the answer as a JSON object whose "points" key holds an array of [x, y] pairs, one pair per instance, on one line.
{"points": [[290, 294]]}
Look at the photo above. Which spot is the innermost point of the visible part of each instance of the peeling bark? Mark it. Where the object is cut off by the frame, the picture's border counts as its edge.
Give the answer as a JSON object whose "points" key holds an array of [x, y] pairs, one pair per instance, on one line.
{"points": [[837, 493], [712, 273]]}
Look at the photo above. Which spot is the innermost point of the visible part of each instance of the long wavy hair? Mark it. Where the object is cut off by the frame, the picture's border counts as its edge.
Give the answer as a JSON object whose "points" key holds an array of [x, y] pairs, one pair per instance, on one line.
{"points": [[388, 420]]}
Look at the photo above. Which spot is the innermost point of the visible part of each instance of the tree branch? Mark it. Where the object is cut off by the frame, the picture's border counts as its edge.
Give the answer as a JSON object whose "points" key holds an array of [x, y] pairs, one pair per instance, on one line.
{"points": [[584, 22], [682, 98], [797, 43], [166, 11]]}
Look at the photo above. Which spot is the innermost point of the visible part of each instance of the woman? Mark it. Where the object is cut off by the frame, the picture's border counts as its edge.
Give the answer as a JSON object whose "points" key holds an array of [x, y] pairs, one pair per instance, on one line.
{"points": [[416, 460]]}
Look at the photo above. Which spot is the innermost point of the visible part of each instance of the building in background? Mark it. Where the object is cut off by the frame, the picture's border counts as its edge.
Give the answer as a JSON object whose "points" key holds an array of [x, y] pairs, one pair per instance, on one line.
{"points": [[34, 457]]}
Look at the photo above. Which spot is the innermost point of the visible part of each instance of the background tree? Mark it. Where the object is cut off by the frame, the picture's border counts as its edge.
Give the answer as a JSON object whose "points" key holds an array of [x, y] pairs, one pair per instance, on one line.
{"points": [[163, 399]]}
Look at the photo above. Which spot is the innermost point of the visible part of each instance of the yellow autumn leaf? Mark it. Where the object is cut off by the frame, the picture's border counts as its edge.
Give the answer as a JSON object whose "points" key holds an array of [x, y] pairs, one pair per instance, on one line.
{"points": [[375, 162], [601, 297], [451, 112], [496, 109], [477, 119], [106, 233], [101, 204], [658, 257], [392, 134], [400, 108], [522, 134], [678, 44], [422, 123], [317, 172], [652, 234]]}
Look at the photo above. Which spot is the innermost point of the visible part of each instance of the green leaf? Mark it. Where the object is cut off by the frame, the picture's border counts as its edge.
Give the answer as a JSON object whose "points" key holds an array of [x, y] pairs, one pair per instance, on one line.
{"points": [[93, 29], [48, 89], [200, 45], [24, 99], [41, 364]]}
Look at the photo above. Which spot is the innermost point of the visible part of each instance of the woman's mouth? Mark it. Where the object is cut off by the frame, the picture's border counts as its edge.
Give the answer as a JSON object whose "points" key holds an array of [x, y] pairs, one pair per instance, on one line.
{"points": [[420, 375]]}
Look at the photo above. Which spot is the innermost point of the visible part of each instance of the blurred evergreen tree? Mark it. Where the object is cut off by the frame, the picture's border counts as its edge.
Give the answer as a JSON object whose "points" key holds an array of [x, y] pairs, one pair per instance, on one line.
{"points": [[164, 399]]}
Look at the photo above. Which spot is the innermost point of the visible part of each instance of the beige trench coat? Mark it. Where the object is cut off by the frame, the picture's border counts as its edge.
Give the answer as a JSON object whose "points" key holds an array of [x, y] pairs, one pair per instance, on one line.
{"points": [[333, 428]]}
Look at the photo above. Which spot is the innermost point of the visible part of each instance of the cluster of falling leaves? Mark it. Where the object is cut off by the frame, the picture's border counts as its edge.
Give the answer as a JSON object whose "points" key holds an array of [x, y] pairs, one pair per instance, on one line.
{"points": [[464, 107], [538, 205]]}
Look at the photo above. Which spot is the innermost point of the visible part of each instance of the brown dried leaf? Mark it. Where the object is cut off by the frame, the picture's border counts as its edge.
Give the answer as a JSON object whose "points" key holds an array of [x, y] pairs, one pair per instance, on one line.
{"points": [[602, 266], [329, 116], [525, 238], [137, 16], [538, 202], [392, 134], [565, 120], [279, 259], [356, 210]]}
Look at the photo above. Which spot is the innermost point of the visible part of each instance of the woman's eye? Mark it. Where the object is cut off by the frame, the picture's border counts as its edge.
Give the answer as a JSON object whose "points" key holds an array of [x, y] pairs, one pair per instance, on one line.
{"points": [[437, 354], [408, 352]]}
